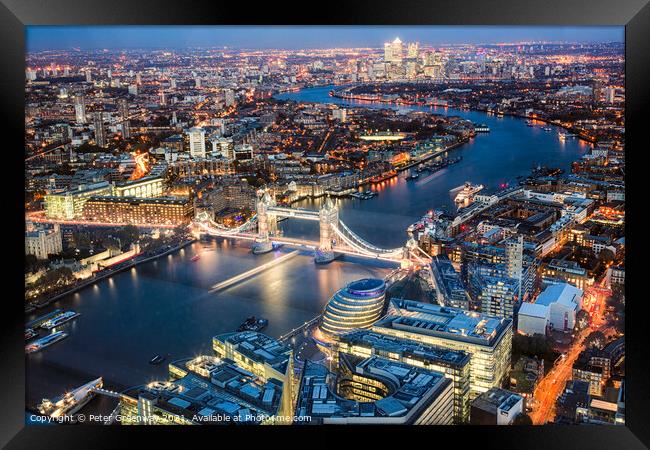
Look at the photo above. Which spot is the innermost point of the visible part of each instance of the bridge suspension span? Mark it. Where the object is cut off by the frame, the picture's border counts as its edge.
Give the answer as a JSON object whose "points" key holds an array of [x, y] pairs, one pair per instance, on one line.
{"points": [[335, 235]]}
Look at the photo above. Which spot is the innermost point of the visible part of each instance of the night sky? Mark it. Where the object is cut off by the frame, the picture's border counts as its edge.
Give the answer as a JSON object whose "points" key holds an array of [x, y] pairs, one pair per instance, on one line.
{"points": [[294, 37]]}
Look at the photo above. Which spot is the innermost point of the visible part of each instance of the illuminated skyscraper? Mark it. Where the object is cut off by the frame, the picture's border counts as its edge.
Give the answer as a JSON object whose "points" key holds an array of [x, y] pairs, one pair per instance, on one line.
{"points": [[197, 142], [229, 96], [515, 259], [80, 108], [412, 52], [100, 132], [393, 51], [124, 114], [30, 74]]}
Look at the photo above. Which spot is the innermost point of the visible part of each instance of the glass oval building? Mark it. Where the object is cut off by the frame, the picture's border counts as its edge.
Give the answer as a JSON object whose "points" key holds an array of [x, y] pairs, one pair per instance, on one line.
{"points": [[358, 305]]}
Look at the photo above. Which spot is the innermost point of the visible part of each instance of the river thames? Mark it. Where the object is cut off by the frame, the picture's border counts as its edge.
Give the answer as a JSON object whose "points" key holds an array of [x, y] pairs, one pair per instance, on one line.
{"points": [[166, 307]]}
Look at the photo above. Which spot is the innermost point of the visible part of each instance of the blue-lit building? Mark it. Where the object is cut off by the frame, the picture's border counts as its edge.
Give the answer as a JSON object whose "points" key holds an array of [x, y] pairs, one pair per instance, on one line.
{"points": [[205, 390], [374, 391], [492, 260], [454, 364], [358, 305], [487, 339], [262, 355], [449, 286], [495, 293]]}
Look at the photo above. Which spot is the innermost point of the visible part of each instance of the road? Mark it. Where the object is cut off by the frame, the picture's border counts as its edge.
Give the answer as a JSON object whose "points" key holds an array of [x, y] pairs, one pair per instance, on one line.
{"points": [[552, 385]]}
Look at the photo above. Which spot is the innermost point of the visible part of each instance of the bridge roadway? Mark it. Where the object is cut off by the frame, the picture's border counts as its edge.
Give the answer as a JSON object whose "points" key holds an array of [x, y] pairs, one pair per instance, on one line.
{"points": [[299, 213], [296, 243]]}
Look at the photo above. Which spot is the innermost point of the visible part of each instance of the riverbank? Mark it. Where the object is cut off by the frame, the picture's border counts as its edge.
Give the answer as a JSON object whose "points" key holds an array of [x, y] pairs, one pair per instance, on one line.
{"points": [[352, 97], [126, 265]]}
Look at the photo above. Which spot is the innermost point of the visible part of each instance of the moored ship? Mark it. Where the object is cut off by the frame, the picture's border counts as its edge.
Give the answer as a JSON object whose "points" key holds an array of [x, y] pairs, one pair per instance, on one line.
{"points": [[364, 195], [30, 333], [253, 324], [468, 190], [46, 341], [60, 319], [70, 402]]}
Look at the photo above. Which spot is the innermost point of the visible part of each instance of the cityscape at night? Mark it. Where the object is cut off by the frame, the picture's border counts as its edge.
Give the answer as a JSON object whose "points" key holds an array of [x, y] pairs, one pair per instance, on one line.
{"points": [[325, 225]]}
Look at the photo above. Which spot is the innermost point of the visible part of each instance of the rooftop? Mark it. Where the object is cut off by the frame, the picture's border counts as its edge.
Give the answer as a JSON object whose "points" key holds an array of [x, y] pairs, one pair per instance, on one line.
{"points": [[412, 385], [496, 399], [139, 200], [383, 345], [562, 293], [208, 386], [258, 347], [533, 310], [444, 322]]}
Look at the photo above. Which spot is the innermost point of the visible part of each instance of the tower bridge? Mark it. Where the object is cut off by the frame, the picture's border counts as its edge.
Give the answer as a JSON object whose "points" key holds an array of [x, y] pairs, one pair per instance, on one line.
{"points": [[335, 235]]}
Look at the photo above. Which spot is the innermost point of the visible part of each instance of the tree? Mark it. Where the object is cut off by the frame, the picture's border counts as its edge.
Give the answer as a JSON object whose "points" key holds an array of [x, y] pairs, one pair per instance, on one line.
{"points": [[128, 234], [606, 255], [595, 339], [522, 419], [536, 346], [583, 319]]}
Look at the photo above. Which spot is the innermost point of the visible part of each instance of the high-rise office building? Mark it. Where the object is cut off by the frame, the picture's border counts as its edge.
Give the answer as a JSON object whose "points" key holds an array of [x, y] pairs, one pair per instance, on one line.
{"points": [[80, 108], [393, 51], [455, 364], [229, 97], [412, 52], [515, 260], [124, 115], [197, 142], [610, 94], [487, 339], [100, 131], [374, 391], [498, 296], [263, 356], [89, 76]]}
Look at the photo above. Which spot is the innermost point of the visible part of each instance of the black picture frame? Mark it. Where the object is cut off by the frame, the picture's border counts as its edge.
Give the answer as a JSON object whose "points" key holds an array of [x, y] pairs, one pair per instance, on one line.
{"points": [[633, 14]]}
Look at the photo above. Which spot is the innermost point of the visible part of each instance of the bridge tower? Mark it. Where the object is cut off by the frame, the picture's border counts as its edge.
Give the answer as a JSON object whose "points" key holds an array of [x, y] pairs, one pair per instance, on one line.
{"points": [[409, 253], [266, 223], [329, 218]]}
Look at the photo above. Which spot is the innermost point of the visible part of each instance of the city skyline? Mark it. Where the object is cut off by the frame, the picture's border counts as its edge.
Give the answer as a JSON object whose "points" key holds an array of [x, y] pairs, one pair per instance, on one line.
{"points": [[42, 38], [410, 233]]}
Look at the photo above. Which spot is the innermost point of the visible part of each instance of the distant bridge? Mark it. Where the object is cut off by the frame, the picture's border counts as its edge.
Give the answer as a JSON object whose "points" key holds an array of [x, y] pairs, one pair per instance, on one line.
{"points": [[335, 235]]}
